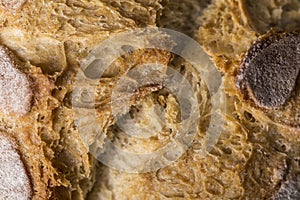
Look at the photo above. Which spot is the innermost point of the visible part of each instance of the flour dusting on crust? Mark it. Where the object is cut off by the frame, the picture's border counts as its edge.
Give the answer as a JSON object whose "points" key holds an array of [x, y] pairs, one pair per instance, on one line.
{"points": [[14, 182], [12, 4], [15, 90]]}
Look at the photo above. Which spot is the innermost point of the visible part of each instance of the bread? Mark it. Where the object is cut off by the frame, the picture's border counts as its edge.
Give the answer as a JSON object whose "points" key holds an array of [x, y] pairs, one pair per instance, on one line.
{"points": [[43, 44], [24, 91], [189, 177], [264, 15], [48, 137], [271, 132], [256, 156]]}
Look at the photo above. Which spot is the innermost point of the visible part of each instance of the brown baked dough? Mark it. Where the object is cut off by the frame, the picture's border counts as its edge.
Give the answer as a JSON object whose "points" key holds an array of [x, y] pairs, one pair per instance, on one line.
{"points": [[230, 29], [253, 158], [50, 39]]}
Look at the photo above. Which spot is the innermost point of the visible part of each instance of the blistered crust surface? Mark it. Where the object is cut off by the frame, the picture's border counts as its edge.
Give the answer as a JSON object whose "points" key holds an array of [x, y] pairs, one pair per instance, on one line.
{"points": [[271, 133], [73, 29], [54, 36], [191, 177], [225, 33]]}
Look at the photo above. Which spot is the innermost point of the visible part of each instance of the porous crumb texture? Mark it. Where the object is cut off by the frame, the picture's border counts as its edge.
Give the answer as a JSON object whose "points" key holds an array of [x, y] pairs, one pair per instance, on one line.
{"points": [[49, 39], [44, 42], [225, 33], [192, 176]]}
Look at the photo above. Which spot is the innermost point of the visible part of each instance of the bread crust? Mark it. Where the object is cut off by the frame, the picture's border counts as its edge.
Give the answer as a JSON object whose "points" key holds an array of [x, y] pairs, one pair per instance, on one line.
{"points": [[255, 158], [51, 38], [272, 133]]}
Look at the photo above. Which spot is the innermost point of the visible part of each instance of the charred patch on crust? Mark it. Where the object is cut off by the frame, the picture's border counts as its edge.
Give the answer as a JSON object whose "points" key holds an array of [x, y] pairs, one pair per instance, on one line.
{"points": [[289, 186], [269, 72], [290, 189]]}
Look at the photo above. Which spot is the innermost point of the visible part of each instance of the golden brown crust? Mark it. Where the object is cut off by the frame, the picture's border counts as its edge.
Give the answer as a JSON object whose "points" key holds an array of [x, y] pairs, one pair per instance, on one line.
{"points": [[225, 34], [52, 38], [272, 134]]}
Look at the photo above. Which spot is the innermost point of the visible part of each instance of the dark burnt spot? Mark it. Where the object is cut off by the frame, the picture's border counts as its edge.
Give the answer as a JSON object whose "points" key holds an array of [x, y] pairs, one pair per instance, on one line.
{"points": [[289, 190], [270, 69]]}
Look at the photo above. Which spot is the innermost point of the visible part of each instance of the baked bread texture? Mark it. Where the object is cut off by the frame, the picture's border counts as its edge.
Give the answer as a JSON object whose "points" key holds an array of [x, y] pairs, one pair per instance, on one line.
{"points": [[43, 43], [272, 128], [264, 15], [42, 47]]}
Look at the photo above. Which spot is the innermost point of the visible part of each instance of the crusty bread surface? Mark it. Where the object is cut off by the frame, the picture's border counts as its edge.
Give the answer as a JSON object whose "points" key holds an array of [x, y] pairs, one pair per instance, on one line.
{"points": [[42, 47]]}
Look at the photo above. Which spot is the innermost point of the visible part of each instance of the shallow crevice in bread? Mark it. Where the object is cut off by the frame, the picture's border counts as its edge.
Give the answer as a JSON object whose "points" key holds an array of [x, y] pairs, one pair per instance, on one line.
{"points": [[190, 177], [182, 16]]}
